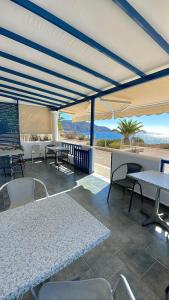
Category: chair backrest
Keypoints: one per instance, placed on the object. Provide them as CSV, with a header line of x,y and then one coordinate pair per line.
x,y
21,190
48,150
85,289
133,168
122,289
5,162
37,148
123,170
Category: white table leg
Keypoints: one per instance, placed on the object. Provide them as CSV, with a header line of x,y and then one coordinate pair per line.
x,y
57,162
156,217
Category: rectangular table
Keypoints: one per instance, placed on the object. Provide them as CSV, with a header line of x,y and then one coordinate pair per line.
x,y
161,182
41,238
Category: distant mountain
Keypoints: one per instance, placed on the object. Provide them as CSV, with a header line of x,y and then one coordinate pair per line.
x,y
82,127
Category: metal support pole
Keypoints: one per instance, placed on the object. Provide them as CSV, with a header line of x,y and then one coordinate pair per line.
x,y
92,122
92,136
18,116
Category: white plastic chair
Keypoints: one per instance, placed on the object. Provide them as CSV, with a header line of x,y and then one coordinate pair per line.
x,y
98,289
21,190
36,150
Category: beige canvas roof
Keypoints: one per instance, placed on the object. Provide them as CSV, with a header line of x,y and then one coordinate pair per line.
x,y
144,99
104,109
148,98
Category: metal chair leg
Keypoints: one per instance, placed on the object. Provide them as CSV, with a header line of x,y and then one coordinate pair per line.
x,y
34,294
141,193
132,192
12,173
131,197
20,297
22,170
167,293
109,192
4,172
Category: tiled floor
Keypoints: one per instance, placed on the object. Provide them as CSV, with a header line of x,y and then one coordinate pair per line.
x,y
142,254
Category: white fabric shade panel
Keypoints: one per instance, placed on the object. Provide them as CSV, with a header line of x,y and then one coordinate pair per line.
x,y
150,109
104,109
105,22
145,99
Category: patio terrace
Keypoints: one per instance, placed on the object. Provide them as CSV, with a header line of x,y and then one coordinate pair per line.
x,y
139,253
94,60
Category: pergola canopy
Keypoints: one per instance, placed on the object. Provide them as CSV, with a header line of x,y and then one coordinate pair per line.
x,y
60,53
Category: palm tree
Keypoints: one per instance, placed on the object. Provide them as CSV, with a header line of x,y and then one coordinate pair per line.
x,y
128,128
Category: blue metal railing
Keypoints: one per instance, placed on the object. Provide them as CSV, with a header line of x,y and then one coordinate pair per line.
x,y
82,157
163,162
82,160
71,147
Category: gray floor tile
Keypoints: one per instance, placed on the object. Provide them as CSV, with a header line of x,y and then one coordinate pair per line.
x,y
137,259
106,265
157,278
110,247
160,250
72,271
139,236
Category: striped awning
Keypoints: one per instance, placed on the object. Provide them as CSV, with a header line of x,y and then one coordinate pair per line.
x,y
59,53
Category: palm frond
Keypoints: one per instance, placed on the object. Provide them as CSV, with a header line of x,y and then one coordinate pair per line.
x,y
129,127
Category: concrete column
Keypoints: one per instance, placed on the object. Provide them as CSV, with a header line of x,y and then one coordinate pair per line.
x,y
55,131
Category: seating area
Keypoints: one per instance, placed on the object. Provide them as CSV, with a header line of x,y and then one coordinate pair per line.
x,y
139,253
147,163
77,155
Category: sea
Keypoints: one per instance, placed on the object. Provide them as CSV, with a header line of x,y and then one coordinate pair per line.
x,y
148,137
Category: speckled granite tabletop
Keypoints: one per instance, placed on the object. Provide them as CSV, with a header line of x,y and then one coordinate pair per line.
x,y
41,238
10,152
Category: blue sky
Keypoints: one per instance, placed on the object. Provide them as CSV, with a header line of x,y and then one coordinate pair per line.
x,y
153,123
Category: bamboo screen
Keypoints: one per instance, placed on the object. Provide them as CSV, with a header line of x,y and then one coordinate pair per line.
x,y
34,119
